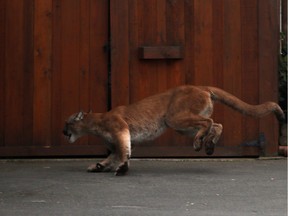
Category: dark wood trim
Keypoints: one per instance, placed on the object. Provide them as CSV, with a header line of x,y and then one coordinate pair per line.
x,y
138,152
188,151
53,151
268,21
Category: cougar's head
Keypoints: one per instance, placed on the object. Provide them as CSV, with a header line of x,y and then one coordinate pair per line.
x,y
74,127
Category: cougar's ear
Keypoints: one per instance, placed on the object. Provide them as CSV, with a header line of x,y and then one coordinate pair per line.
x,y
79,116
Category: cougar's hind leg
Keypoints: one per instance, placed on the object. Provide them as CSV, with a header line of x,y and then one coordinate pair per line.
x,y
191,124
212,138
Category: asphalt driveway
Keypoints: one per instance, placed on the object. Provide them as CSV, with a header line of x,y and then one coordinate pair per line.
x,y
152,187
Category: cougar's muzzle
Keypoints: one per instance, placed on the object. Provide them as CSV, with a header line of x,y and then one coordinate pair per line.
x,y
66,133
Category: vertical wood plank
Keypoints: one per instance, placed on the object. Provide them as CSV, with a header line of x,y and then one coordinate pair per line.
x,y
175,20
163,26
146,78
162,21
2,68
42,72
175,74
70,60
218,41
135,38
99,33
249,62
217,57
28,73
98,61
84,51
119,52
14,73
70,56
232,69
66,83
175,36
203,42
18,73
268,20
56,80
189,42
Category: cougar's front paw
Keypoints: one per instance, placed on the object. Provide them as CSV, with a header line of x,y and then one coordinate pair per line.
x,y
122,169
96,168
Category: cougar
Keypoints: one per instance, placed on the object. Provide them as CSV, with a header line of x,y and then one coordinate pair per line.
x,y
186,109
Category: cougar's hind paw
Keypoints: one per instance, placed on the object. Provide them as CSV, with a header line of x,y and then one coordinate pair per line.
x,y
209,148
122,169
96,168
197,145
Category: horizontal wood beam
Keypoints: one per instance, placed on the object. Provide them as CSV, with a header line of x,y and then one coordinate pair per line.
x,y
139,151
161,52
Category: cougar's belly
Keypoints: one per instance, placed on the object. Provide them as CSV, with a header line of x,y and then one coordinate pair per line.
x,y
147,132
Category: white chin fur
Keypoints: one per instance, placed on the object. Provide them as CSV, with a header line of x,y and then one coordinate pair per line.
x,y
72,139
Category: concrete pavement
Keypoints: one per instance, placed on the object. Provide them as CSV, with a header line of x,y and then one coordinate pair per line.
x,y
152,187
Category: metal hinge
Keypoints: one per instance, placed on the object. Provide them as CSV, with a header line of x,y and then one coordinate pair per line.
x,y
260,142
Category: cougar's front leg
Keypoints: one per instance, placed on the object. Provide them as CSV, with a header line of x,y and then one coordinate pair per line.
x,y
123,152
106,164
103,166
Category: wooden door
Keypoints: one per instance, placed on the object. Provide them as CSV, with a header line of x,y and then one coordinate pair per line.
x,y
160,44
53,64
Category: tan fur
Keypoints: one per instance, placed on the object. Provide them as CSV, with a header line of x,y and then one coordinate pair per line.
x,y
186,109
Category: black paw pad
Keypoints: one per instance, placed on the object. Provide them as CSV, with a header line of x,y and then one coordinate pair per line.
x,y
122,169
209,148
96,168
99,166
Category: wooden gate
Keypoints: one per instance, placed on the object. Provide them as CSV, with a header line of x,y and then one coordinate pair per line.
x,y
55,57
52,65
232,44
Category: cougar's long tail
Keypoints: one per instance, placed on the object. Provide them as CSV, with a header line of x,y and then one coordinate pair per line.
x,y
247,109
